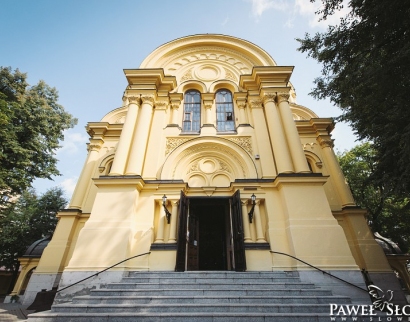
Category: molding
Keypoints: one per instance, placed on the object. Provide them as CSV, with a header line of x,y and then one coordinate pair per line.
x,y
163,246
257,246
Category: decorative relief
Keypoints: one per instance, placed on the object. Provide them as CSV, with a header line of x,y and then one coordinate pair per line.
x,y
224,166
187,75
297,117
230,75
173,143
193,167
175,105
239,62
120,118
311,145
243,142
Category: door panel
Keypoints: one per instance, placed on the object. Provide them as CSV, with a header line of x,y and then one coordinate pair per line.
x,y
182,232
237,233
193,240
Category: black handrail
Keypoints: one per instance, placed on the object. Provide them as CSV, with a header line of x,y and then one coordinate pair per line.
x,y
96,274
340,279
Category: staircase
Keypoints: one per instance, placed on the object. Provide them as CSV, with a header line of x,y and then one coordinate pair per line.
x,y
199,296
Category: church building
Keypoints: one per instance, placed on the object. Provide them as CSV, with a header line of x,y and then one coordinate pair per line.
x,y
210,165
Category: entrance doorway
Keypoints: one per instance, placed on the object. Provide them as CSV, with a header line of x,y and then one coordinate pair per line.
x,y
210,234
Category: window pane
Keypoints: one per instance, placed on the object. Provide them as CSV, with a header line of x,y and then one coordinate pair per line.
x,y
224,111
192,111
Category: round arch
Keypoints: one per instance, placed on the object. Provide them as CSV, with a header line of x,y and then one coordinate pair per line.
x,y
208,161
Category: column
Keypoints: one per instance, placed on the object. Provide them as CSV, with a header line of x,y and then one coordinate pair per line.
x,y
277,135
174,112
208,113
246,231
263,141
161,223
121,154
139,143
242,112
173,227
335,171
292,135
260,238
86,174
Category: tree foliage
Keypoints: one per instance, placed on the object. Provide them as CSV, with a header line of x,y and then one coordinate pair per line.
x,y
387,211
366,72
28,219
31,127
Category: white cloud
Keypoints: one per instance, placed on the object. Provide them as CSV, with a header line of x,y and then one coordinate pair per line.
x,y
260,6
69,185
225,21
300,8
73,142
307,9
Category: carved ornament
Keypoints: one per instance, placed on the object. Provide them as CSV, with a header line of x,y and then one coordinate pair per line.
x,y
282,97
243,142
326,143
148,99
269,97
187,75
134,100
256,103
173,143
161,105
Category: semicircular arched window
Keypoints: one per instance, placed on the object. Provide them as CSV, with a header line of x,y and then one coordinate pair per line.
x,y
192,111
225,120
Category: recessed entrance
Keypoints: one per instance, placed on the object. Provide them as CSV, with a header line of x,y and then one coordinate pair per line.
x,y
210,234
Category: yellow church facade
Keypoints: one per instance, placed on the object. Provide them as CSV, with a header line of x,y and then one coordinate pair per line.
x,y
210,164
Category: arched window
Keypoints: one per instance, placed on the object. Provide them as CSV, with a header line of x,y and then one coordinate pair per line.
x,y
224,111
192,111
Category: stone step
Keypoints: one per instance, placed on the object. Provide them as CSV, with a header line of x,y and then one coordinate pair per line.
x,y
204,286
208,280
181,317
211,292
192,308
214,274
209,299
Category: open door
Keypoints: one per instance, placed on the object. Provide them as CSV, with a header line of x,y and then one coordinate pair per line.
x,y
182,233
239,260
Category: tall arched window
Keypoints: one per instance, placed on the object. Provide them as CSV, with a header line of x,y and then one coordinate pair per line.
x,y
224,111
192,111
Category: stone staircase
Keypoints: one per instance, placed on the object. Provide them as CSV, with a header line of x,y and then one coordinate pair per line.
x,y
199,297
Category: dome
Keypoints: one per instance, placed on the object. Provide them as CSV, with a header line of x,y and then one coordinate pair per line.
x,y
389,247
36,249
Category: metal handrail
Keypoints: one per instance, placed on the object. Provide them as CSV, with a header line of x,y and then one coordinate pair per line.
x,y
317,268
106,269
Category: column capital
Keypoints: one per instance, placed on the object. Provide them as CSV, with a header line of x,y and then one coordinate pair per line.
x,y
282,97
161,105
269,97
94,145
255,103
208,105
325,142
244,202
133,99
148,99
241,104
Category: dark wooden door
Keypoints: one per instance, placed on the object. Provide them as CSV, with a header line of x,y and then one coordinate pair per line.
x,y
239,260
193,240
182,232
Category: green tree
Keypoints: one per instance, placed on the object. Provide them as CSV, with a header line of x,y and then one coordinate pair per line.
x,y
366,72
31,127
387,211
28,219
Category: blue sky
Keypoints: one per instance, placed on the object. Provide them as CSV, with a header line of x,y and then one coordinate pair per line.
x,y
82,46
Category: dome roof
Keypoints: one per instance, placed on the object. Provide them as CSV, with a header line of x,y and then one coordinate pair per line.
x,y
36,249
389,247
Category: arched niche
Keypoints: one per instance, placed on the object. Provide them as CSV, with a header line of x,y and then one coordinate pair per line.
x,y
116,116
222,84
314,162
208,161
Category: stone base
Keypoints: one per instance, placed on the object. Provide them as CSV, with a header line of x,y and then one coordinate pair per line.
x,y
84,287
339,287
37,283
